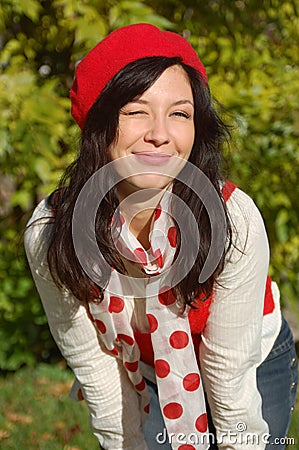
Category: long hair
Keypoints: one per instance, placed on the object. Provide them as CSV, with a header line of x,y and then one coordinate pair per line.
x,y
99,132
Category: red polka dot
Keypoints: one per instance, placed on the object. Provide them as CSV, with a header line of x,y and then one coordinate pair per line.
x,y
166,296
201,423
179,339
116,304
172,237
173,410
147,408
131,366
158,211
140,255
126,338
186,447
140,386
162,368
101,326
159,258
191,382
114,351
153,323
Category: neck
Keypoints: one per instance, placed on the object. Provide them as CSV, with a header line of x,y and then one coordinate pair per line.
x,y
138,210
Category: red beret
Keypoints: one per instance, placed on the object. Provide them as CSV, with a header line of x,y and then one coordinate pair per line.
x,y
121,47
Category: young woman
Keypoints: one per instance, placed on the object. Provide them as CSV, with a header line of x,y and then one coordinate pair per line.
x,y
153,270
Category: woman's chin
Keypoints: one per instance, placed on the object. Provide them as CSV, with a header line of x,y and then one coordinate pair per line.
x,y
149,181
145,181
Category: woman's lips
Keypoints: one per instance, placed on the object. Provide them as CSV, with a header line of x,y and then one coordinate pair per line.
x,y
152,158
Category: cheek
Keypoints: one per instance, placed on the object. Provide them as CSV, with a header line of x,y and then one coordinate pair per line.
x,y
128,130
187,139
126,136
113,151
118,148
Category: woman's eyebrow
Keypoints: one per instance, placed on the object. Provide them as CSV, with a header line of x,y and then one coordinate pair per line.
x,y
183,102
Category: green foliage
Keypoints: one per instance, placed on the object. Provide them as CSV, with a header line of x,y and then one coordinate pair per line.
x,y
250,50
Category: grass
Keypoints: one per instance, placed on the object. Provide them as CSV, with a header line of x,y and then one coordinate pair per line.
x,y
37,414
294,429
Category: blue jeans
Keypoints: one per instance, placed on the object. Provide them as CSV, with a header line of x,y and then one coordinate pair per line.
x,y
277,379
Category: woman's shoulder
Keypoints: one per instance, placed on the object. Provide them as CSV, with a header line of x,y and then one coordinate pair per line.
x,y
38,231
42,211
235,196
242,208
247,224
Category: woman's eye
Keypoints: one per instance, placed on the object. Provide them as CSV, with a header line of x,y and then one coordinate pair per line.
x,y
181,114
133,112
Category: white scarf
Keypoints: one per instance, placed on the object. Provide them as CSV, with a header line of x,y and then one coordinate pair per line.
x,y
179,383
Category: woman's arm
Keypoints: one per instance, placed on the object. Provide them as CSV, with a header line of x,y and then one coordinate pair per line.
x,y
230,350
113,403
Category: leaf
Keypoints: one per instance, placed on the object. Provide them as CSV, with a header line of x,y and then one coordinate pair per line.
x,y
43,169
22,199
30,8
4,434
281,225
126,12
17,417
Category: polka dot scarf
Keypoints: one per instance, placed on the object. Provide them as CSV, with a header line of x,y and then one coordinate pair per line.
x,y
179,383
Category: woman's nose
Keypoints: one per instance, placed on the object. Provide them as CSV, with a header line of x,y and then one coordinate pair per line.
x,y
157,132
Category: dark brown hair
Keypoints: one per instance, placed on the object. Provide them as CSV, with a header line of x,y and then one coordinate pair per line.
x,y
99,132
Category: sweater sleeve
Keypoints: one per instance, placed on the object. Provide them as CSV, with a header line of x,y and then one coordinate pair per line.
x,y
112,401
230,350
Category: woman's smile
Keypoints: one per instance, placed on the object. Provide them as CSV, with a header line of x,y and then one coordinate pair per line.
x,y
152,158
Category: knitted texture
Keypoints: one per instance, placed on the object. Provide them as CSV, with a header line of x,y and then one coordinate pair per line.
x,y
118,49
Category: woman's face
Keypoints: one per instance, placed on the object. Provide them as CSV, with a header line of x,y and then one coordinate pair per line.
x,y
154,128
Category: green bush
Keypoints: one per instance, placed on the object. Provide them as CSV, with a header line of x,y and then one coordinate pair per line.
x,y
253,70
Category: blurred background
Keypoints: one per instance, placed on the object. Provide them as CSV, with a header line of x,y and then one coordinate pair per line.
x,y
251,51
